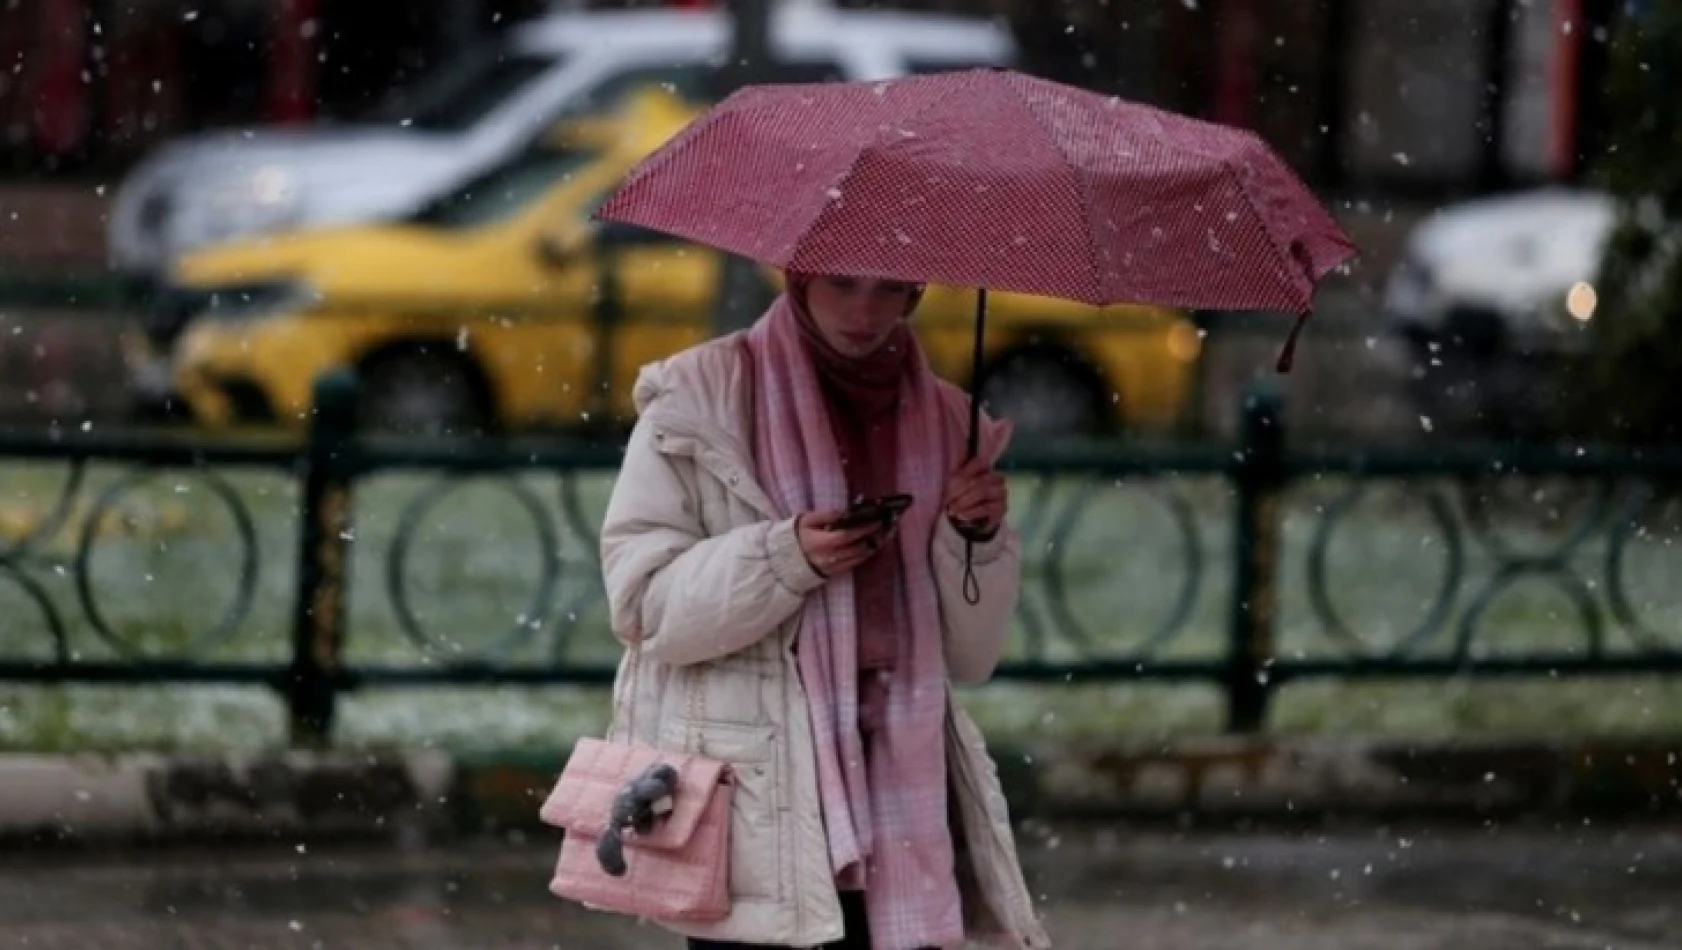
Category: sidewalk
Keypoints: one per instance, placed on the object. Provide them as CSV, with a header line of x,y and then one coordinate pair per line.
x,y
1100,889
56,799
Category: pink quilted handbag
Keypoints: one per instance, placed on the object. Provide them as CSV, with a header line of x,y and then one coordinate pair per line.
x,y
680,869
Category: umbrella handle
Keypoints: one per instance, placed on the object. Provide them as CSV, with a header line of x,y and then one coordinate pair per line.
x,y
972,586
978,358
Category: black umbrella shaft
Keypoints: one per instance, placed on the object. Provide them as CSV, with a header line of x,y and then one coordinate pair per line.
x,y
975,372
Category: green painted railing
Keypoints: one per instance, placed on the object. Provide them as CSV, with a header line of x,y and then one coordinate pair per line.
x,y
1249,565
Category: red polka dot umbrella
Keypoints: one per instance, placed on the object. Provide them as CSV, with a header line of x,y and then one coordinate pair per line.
x,y
992,179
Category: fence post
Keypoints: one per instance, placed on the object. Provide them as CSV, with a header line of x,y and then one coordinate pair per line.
x,y
318,622
607,310
1261,482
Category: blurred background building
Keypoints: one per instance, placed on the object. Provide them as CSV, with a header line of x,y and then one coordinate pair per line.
x,y
1403,97
1392,109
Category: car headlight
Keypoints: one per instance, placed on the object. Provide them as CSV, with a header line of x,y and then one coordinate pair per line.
x,y
254,300
1581,301
174,307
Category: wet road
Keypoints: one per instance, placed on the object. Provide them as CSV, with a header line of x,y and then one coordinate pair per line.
x,y
1384,890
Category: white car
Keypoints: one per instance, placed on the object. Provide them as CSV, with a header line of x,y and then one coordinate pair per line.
x,y
1526,262
1493,299
486,106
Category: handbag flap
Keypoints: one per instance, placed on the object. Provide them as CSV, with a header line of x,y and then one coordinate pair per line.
x,y
582,799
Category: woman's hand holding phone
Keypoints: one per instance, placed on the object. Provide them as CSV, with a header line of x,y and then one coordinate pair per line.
x,y
836,542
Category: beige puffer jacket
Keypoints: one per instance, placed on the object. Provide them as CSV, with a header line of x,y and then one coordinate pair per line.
x,y
704,574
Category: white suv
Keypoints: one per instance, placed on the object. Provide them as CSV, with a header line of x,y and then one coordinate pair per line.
x,y
1491,296
487,105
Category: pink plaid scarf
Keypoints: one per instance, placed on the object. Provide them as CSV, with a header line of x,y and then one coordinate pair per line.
x,y
886,819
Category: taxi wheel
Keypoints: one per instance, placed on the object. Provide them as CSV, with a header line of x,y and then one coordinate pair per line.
x,y
1049,392
420,390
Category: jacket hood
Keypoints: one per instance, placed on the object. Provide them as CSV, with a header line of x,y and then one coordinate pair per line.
x,y
703,379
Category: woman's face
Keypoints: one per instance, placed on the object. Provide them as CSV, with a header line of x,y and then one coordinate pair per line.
x,y
857,314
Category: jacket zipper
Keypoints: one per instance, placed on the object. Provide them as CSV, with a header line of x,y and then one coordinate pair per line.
x,y
790,680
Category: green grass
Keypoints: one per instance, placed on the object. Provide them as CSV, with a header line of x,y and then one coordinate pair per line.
x,y
165,565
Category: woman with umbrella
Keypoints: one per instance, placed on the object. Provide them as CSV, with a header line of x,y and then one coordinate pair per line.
x,y
812,652
822,650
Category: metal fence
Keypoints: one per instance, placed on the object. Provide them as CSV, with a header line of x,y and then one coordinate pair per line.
x,y
1248,565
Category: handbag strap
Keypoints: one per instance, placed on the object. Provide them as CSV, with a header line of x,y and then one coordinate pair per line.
x,y
695,700
695,709
633,664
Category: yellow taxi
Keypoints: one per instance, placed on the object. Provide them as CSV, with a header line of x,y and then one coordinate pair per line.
x,y
502,307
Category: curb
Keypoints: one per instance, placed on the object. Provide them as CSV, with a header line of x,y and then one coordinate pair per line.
x,y
55,800
66,799
1267,777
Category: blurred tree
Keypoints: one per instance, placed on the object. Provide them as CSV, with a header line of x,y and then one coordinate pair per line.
x,y
374,50
1636,373
224,55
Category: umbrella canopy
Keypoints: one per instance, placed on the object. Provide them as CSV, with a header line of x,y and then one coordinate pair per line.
x,y
990,178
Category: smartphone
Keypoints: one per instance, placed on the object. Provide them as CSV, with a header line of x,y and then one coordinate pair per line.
x,y
884,510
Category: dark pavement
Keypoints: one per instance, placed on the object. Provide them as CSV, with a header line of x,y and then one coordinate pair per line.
x,y
1103,888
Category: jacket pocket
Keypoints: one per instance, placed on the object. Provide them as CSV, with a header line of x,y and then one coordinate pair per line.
x,y
755,831
733,690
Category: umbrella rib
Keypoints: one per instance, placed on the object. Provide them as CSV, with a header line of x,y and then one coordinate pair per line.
x,y
1082,182
1305,296
1236,170
853,166
812,222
